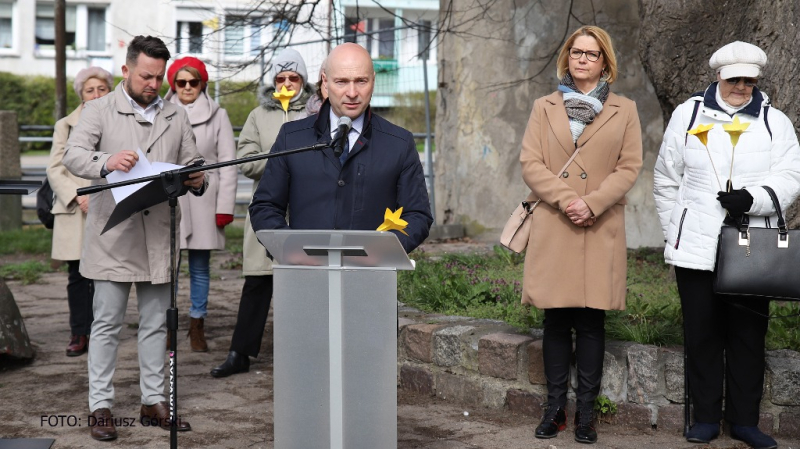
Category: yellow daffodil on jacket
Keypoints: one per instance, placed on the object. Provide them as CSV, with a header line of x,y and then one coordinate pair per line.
x,y
284,96
393,222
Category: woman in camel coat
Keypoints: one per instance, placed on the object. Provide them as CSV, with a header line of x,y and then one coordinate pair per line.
x,y
70,210
576,259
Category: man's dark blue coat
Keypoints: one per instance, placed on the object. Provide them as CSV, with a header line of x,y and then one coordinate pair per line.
x,y
382,171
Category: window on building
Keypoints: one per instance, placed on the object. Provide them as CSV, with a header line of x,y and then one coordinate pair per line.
x,y
234,35
96,33
6,22
45,27
356,30
243,35
424,39
86,29
376,35
189,37
386,39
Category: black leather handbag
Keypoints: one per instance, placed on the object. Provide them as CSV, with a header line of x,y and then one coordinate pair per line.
x,y
759,261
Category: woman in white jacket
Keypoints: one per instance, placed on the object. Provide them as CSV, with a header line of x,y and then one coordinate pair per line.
x,y
724,336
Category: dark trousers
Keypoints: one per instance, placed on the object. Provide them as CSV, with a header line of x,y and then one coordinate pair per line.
x,y
80,292
589,325
725,342
252,318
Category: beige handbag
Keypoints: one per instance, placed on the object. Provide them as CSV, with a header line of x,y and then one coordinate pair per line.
x,y
518,227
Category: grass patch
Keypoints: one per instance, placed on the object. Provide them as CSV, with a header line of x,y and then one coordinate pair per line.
x,y
489,286
469,285
28,272
29,240
234,238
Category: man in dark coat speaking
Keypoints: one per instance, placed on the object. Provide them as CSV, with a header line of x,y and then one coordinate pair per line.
x,y
379,167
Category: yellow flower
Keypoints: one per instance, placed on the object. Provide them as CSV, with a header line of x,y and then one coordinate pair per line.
x,y
701,132
393,222
735,130
284,96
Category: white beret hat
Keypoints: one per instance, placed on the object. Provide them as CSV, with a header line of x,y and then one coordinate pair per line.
x,y
738,59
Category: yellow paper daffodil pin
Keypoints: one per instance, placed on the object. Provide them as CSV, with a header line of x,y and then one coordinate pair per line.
x,y
701,132
284,96
393,222
735,130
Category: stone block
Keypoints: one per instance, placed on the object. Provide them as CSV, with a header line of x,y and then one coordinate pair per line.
x,y
525,403
416,379
493,393
460,389
418,340
403,322
636,416
670,419
498,354
766,422
536,363
673,374
449,344
614,377
615,371
783,372
643,371
789,425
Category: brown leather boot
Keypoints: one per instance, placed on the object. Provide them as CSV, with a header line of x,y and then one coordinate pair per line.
x,y
197,336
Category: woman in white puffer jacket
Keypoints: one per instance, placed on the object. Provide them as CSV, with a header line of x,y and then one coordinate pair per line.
x,y
692,199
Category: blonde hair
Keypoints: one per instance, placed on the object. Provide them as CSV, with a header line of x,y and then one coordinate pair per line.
x,y
606,48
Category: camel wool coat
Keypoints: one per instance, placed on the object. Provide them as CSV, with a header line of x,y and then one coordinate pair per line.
x,y
568,265
69,219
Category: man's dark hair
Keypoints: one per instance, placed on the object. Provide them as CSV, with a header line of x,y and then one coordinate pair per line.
x,y
150,46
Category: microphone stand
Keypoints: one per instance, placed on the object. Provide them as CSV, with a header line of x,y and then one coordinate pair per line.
x,y
172,183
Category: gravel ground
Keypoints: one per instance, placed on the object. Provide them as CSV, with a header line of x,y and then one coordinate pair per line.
x,y
235,412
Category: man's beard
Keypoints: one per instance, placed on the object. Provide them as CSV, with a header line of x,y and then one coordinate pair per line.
x,y
139,96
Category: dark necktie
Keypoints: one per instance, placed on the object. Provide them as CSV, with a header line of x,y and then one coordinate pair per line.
x,y
345,150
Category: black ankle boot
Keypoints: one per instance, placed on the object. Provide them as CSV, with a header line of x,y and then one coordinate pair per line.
x,y
235,363
584,427
553,421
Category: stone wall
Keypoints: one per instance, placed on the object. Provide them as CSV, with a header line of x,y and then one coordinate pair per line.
x,y
492,67
486,363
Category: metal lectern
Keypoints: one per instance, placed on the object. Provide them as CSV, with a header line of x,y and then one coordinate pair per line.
x,y
335,337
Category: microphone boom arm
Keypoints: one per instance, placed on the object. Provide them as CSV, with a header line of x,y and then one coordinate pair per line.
x,y
193,169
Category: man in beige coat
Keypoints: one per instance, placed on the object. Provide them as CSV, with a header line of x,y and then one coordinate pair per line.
x,y
137,250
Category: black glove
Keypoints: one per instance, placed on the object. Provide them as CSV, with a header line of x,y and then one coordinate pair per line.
x,y
737,202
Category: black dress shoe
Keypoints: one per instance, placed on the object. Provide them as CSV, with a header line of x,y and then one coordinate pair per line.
x,y
553,421
584,428
235,363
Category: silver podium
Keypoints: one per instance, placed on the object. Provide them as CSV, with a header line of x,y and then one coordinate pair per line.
x,y
335,337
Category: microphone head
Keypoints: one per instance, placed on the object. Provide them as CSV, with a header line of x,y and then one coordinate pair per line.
x,y
344,121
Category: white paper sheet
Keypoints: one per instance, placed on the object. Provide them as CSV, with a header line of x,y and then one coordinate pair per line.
x,y
142,169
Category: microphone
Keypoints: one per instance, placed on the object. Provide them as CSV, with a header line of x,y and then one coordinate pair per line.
x,y
340,137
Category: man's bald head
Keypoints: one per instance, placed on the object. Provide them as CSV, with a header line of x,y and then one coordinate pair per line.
x,y
350,79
